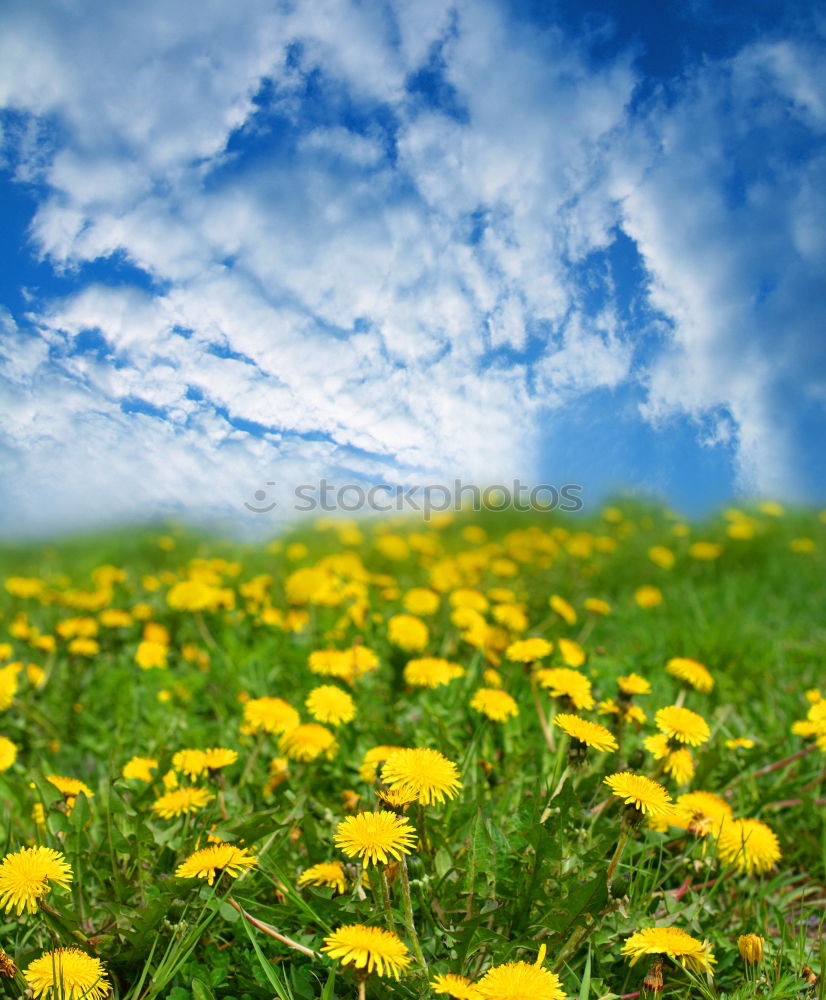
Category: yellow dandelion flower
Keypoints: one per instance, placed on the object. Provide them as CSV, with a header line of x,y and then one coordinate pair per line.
x,y
492,678
662,556
592,734
496,704
408,633
750,947
431,672
396,798
326,873
307,742
216,859
139,768
645,795
572,653
633,684
84,647
25,876
671,941
24,586
360,660
657,746
742,530
700,812
458,987
375,836
368,948
705,551
679,765
562,682
683,725
749,844
329,703
520,981
691,672
597,606
269,715
563,609
468,598
740,743
182,801
151,655
648,596
67,973
329,663
8,684
426,772
771,508
192,763
375,756
216,758
69,788
528,650
8,753
511,616
113,618
69,628
421,601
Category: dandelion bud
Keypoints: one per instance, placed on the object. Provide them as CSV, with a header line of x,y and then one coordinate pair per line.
x,y
7,967
750,947
653,981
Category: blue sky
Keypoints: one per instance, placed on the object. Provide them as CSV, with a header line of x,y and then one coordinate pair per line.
x,y
407,242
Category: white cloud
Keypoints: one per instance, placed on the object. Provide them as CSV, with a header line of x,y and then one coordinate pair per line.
x,y
372,288
723,217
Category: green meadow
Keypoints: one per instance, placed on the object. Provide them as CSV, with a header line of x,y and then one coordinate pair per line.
x,y
300,675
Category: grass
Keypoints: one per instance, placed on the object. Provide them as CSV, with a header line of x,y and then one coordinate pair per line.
x,y
518,859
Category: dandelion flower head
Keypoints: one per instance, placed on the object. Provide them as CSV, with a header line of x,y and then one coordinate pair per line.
x,y
67,973
217,858
671,941
691,672
496,704
592,734
326,873
25,877
636,790
330,704
426,772
375,836
307,742
368,948
682,725
528,650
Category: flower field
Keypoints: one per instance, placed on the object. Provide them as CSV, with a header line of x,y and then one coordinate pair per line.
x,y
490,757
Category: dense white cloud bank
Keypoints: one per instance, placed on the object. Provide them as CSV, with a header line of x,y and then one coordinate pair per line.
x,y
350,274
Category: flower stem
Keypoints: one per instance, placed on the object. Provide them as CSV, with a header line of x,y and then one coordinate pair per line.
x,y
270,930
547,731
408,914
385,896
615,860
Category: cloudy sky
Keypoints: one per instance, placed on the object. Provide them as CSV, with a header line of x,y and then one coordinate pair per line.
x,y
404,242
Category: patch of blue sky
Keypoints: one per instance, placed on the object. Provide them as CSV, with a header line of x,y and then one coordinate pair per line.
x,y
601,441
25,276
